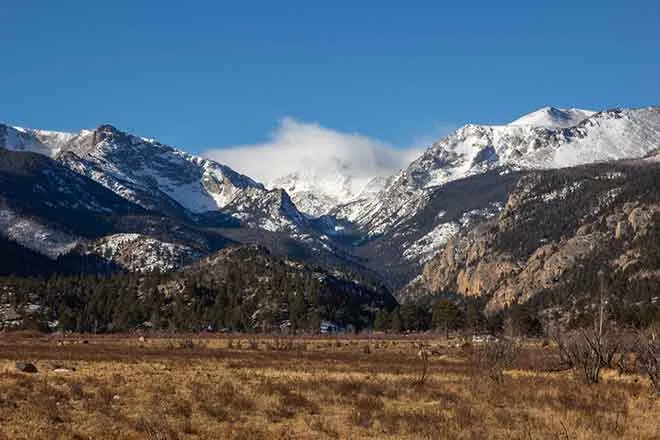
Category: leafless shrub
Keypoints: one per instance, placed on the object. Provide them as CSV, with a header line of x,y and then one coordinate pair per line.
x,y
491,359
579,352
647,351
588,351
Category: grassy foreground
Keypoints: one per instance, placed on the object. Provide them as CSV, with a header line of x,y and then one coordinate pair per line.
x,y
304,388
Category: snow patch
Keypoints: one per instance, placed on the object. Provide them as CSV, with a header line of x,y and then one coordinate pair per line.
x,y
427,246
36,236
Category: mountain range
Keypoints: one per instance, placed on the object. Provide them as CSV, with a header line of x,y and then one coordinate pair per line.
x,y
121,202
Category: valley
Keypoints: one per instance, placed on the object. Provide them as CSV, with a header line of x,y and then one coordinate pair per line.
x,y
255,387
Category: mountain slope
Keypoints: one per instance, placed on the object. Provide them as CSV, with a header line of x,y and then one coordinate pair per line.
x,y
182,188
479,150
475,149
559,228
400,252
50,209
17,260
391,227
150,174
141,253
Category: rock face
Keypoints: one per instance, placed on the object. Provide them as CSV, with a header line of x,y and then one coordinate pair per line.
x,y
557,230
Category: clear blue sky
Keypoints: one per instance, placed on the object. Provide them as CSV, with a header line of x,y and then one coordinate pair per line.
x,y
204,74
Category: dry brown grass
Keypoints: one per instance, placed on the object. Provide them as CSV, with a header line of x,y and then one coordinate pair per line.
x,y
320,388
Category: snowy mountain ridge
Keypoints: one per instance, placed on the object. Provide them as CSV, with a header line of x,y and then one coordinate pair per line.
x,y
476,149
144,171
387,225
401,217
316,193
553,117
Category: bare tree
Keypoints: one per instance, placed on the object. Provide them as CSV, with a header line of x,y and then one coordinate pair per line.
x,y
647,352
587,351
577,353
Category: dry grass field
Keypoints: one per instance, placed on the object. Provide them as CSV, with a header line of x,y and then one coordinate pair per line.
x,y
305,388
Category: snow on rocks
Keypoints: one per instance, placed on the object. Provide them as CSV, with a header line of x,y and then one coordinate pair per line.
x,y
425,248
35,235
140,253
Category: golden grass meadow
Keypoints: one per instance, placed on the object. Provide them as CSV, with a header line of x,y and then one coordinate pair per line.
x,y
345,387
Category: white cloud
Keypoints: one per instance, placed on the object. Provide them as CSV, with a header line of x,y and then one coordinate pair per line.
x,y
297,146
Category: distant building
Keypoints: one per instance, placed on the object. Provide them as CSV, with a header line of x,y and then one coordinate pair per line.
x,y
330,327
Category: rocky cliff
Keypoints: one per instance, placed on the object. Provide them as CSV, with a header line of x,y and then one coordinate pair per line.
x,y
557,231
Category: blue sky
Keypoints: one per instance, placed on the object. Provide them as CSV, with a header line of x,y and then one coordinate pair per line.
x,y
204,74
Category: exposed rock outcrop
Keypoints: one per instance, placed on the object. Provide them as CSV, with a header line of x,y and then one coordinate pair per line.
x,y
558,229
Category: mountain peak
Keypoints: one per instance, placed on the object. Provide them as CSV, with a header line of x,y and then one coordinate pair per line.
x,y
553,117
107,127
105,131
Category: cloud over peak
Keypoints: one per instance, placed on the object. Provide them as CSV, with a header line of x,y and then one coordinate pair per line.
x,y
311,149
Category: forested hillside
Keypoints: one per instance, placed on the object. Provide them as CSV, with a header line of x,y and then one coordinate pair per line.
x,y
242,288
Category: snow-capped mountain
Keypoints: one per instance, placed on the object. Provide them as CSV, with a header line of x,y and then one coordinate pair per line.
x,y
476,149
65,194
148,173
315,192
552,117
130,165
48,208
438,194
557,229
91,192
